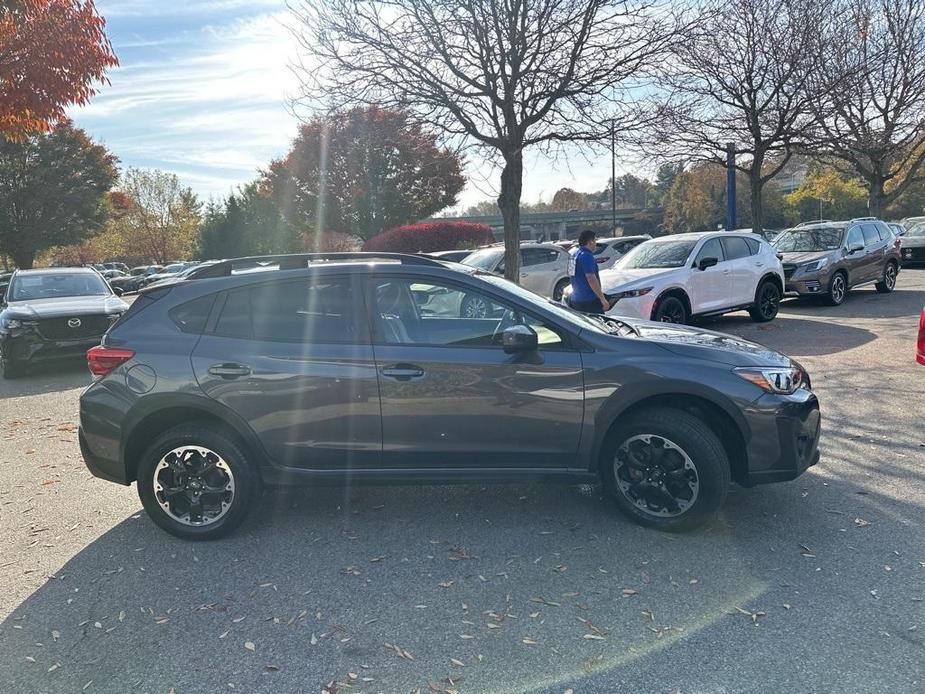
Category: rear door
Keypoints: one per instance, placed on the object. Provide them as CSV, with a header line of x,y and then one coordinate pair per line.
x,y
874,252
294,360
451,396
540,267
710,289
746,270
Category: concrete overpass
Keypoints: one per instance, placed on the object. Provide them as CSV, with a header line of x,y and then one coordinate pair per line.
x,y
553,226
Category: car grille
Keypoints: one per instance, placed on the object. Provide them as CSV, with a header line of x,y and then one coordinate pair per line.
x,y
917,253
789,269
58,328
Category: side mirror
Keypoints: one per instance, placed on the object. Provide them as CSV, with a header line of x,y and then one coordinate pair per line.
x,y
707,262
519,339
118,291
855,248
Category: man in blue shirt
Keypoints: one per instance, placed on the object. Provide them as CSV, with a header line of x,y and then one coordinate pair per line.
x,y
587,295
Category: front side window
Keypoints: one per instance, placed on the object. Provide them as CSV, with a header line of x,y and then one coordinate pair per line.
x,y
426,313
855,237
711,249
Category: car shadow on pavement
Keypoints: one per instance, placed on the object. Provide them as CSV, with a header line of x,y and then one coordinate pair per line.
x,y
538,587
47,378
794,336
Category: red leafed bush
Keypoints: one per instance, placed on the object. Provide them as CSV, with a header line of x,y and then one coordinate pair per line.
x,y
430,237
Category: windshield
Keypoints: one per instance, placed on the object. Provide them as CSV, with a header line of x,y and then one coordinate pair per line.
x,y
485,259
658,254
803,240
49,286
916,230
176,267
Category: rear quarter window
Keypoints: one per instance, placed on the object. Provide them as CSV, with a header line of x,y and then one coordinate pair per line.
x,y
191,316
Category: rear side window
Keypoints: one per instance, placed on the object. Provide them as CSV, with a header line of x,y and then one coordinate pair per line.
x,y
871,235
735,248
191,317
314,311
754,245
538,256
886,232
141,302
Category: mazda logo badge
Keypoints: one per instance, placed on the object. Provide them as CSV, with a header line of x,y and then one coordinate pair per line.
x,y
73,323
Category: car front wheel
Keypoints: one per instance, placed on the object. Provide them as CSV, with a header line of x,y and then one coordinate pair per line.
x,y
666,469
838,289
670,309
767,302
196,482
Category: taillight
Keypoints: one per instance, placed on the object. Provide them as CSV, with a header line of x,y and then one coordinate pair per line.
x,y
102,360
920,352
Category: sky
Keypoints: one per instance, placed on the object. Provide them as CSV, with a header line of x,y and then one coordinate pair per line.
x,y
203,90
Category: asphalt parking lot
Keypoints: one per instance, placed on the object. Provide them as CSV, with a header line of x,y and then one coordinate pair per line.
x,y
816,585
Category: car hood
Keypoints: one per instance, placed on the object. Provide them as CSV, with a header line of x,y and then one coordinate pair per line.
x,y
65,306
800,257
689,341
912,241
618,280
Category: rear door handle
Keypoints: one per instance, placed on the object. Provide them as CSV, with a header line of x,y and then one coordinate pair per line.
x,y
229,370
403,372
759,264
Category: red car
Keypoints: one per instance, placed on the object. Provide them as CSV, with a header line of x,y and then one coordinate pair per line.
x,y
920,352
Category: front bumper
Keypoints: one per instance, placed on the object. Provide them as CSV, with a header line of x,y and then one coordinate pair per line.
x,y
784,439
913,254
634,307
805,286
32,348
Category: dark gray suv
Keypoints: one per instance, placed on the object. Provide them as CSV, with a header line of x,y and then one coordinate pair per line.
x,y
318,369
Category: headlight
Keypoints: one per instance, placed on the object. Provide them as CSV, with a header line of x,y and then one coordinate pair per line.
x,y
631,293
784,381
815,265
11,323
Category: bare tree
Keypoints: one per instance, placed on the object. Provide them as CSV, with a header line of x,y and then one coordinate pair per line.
x,y
749,77
502,74
875,123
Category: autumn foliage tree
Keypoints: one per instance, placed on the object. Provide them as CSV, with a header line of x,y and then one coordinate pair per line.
x,y
52,191
362,171
51,54
164,217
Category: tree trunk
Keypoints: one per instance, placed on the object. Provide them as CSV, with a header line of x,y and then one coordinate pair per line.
x,y
23,260
509,202
757,188
875,197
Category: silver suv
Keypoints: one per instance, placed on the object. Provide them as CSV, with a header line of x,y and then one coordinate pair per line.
x,y
826,258
544,267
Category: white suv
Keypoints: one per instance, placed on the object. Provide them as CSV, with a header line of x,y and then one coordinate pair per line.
x,y
544,267
675,278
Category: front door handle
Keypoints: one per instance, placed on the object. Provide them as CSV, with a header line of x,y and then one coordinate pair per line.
x,y
229,370
759,264
726,272
403,372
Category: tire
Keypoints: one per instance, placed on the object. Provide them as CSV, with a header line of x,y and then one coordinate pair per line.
x,y
698,446
559,289
837,292
238,471
888,283
767,302
474,306
10,369
670,309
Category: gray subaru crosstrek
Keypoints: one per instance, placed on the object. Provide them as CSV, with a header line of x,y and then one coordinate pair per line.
x,y
319,369
827,259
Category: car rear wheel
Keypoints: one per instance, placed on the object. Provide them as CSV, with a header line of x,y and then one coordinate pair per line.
x,y
559,289
474,306
838,289
767,302
888,283
670,309
666,469
196,482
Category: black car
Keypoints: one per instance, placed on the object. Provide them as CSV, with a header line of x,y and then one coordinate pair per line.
x,y
360,368
53,314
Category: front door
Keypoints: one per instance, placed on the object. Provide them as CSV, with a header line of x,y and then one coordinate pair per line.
x,y
452,398
711,289
293,359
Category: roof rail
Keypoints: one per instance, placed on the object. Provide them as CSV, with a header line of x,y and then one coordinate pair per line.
x,y
813,221
865,219
294,261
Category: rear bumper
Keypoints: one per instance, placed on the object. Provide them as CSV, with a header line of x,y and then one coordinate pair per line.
x,y
785,437
109,470
100,433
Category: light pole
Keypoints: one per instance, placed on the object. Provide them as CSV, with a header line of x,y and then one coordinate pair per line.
x,y
613,177
730,186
